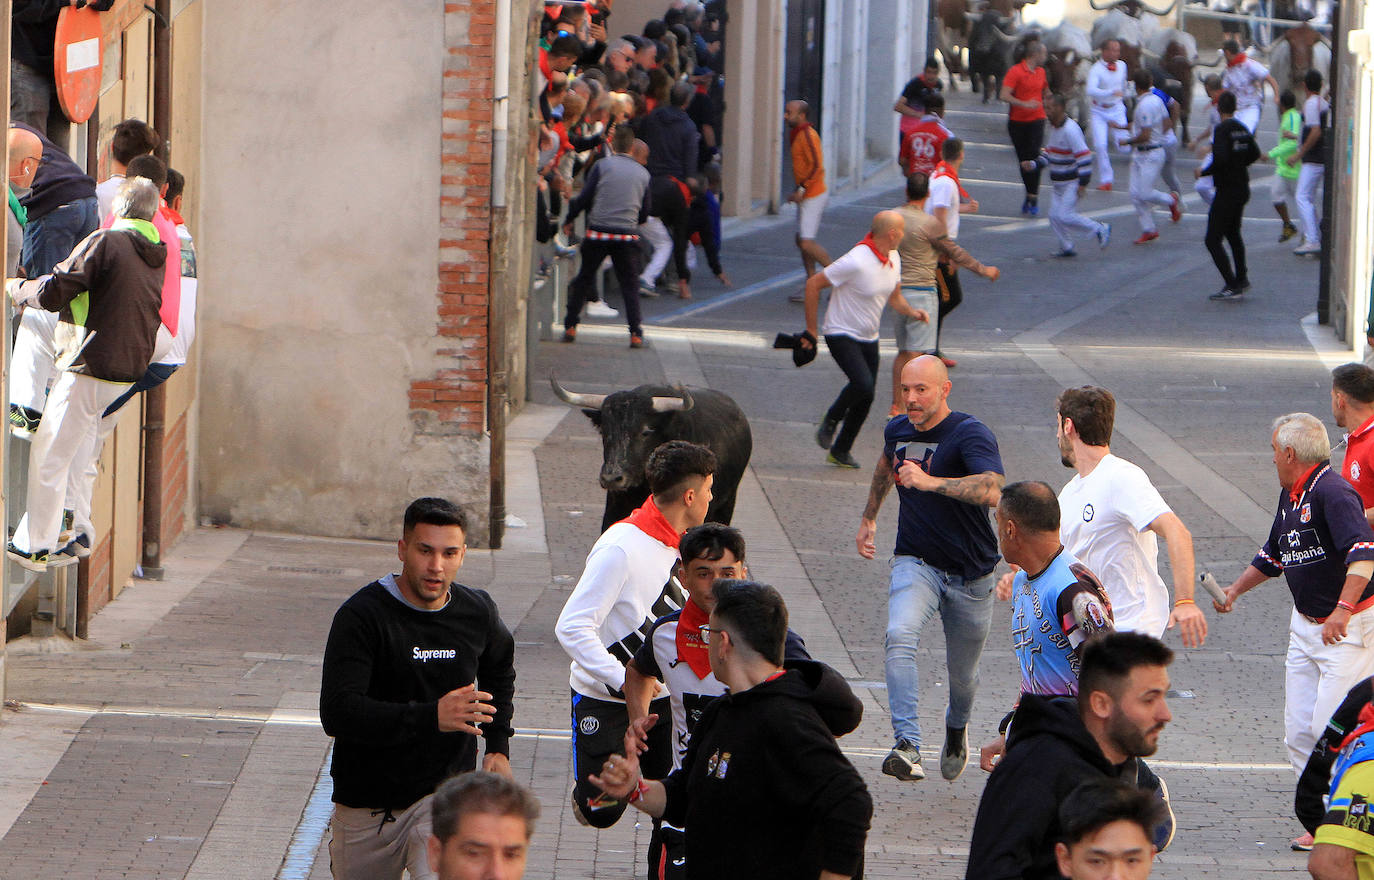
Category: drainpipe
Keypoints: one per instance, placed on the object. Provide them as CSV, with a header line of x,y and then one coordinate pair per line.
x,y
155,399
498,377
5,567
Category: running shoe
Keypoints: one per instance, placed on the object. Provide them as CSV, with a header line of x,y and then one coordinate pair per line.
x,y
598,309
1226,294
1175,209
1289,230
904,762
24,421
35,561
1307,248
1104,187
825,434
1064,253
1104,234
842,459
954,756
1146,237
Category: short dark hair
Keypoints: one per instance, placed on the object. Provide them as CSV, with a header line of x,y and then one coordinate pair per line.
x,y
1226,103
1287,100
755,614
682,94
1108,660
566,47
1032,505
1142,79
434,512
917,186
133,137
1099,802
1230,47
1211,81
655,28
672,464
1355,381
480,792
934,101
931,62
1313,80
951,149
176,184
622,139
150,167
710,541
617,80
1093,411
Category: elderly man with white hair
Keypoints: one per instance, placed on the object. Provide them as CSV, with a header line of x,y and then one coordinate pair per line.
x,y
107,295
1323,546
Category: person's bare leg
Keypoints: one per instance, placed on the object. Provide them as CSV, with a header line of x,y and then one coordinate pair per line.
x,y
813,254
808,263
903,358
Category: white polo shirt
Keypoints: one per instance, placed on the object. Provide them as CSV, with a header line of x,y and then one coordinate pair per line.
x,y
1103,519
1151,113
862,285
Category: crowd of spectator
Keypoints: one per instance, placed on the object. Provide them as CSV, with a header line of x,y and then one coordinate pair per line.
x,y
665,85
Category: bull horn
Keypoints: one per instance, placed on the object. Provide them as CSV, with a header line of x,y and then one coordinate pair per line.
x,y
682,403
1221,56
1153,11
586,401
1006,38
1112,5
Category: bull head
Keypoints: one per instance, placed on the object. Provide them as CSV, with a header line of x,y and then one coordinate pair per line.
x,y
681,403
1133,7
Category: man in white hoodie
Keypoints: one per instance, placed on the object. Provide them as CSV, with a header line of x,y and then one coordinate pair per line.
x,y
626,585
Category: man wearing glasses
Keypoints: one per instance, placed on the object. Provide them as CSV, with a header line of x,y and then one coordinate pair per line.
x,y
763,790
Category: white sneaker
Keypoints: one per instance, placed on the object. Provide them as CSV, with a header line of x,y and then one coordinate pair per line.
x,y
599,309
1307,247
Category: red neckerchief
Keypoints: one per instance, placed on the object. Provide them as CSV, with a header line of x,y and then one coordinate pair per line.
x,y
1240,58
1111,66
690,648
873,246
1296,492
1365,725
651,521
944,170
779,674
685,190
702,90
796,132
544,66
174,216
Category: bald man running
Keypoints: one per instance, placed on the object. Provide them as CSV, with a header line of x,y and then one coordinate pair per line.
x,y
948,471
865,279
808,170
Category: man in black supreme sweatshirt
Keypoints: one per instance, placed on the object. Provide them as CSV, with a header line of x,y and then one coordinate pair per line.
x,y
417,666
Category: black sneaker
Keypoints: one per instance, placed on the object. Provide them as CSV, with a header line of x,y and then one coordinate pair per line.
x,y
1226,294
79,547
825,434
1064,253
35,561
954,756
23,421
842,459
904,762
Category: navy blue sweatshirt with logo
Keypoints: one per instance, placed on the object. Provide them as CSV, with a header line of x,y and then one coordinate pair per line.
x,y
386,665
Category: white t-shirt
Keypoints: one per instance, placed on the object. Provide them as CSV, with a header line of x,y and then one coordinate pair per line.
x,y
1246,82
1150,113
862,286
944,193
1102,520
1312,110
104,194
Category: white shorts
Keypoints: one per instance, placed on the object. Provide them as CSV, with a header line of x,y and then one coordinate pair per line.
x,y
1283,189
919,336
809,213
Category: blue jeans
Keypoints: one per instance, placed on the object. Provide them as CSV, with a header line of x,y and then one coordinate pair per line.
x,y
51,238
916,593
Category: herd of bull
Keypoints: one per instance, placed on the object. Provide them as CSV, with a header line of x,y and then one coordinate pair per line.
x,y
992,34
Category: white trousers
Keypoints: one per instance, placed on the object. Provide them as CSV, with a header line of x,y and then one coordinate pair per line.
x,y
1317,677
1204,185
1145,168
71,421
1064,216
1106,138
1168,172
32,364
1249,117
1309,181
658,235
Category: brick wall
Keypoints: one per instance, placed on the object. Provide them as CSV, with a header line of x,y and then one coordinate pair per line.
x,y
453,400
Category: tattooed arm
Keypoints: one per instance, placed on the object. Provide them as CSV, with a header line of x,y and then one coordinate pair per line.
x,y
983,489
877,491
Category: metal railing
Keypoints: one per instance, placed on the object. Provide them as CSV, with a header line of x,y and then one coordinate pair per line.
x,y
1263,26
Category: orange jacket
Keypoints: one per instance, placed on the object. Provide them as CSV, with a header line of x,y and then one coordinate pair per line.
x,y
807,166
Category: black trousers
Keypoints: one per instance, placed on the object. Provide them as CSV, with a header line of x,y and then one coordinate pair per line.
x,y
1026,139
670,207
859,361
1223,221
947,282
625,259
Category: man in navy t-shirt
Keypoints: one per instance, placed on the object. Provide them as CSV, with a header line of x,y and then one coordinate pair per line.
x,y
949,473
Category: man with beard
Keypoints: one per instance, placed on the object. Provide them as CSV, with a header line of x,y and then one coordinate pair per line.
x,y
1055,744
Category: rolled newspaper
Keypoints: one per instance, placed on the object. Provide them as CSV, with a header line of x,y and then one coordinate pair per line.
x,y
1213,588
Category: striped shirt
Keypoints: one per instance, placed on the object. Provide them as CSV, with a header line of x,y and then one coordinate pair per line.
x,y
1066,153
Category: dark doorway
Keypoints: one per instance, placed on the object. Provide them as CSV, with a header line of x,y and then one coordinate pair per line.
x,y
805,54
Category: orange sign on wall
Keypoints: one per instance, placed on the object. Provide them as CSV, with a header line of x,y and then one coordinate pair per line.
x,y
76,61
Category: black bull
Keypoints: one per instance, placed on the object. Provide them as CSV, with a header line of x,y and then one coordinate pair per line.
x,y
634,423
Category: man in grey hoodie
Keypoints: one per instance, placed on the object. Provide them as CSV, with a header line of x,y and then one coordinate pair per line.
x,y
107,293
615,196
